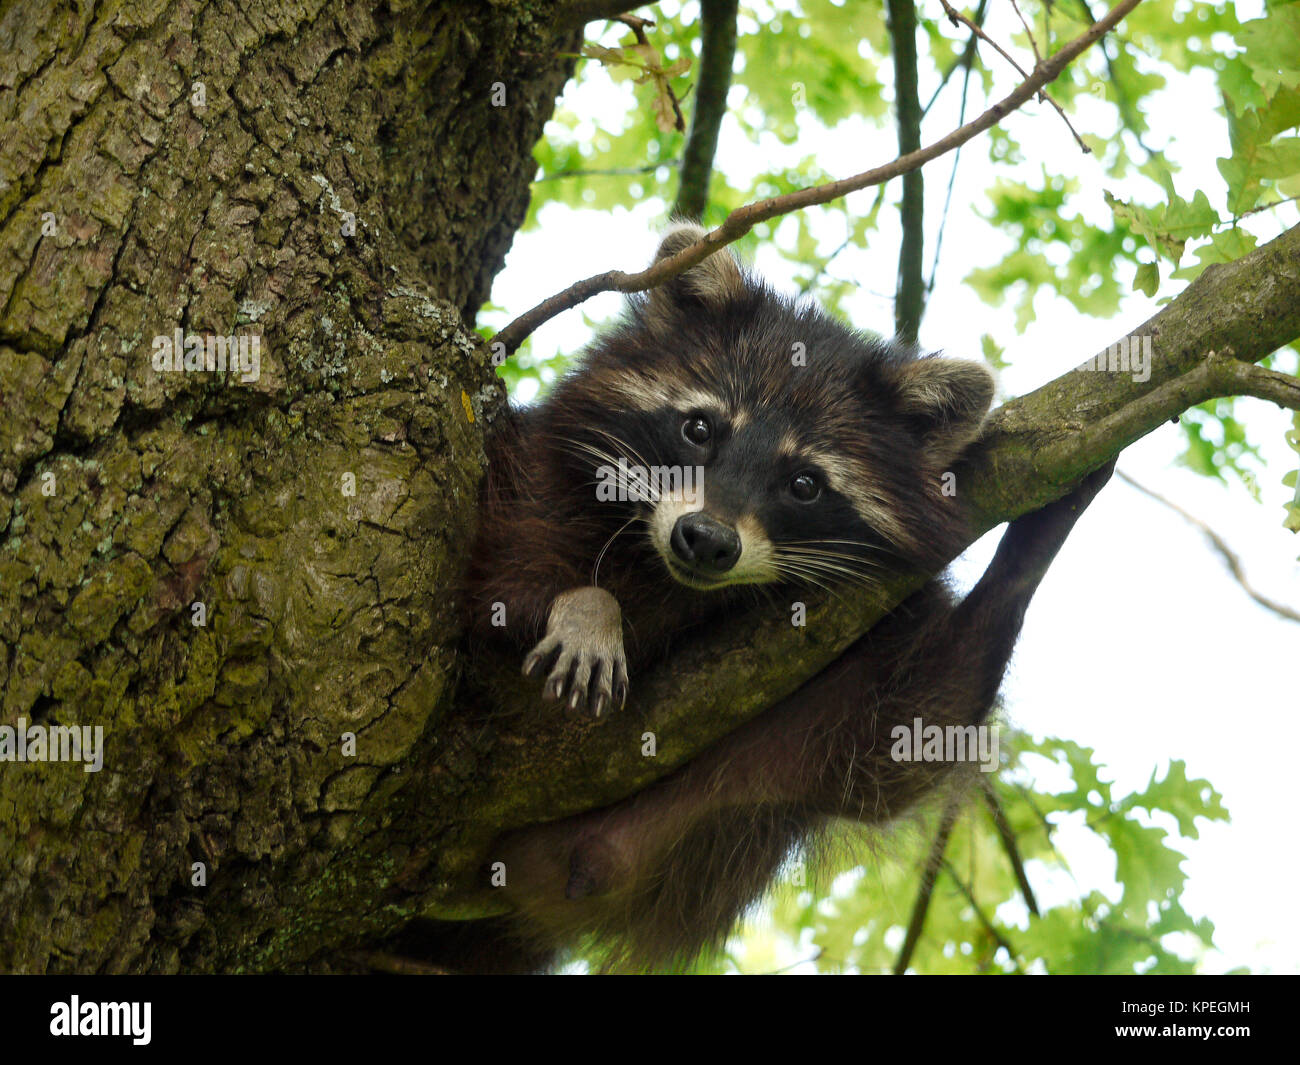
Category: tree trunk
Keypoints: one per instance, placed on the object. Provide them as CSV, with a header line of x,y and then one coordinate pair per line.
x,y
251,584
193,166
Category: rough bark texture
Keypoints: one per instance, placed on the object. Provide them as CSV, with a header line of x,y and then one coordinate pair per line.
x,y
327,612
127,495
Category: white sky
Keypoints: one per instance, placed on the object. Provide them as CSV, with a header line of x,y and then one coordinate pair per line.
x,y
1139,644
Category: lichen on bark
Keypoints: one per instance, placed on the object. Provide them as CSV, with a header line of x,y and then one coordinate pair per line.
x,y
335,178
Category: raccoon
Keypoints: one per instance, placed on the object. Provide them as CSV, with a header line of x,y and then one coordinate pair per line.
x,y
722,439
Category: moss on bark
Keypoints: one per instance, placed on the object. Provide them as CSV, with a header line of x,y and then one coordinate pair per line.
x,y
335,178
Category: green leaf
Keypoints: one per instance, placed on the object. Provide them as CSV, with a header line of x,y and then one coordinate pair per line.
x,y
1271,50
1147,278
1169,226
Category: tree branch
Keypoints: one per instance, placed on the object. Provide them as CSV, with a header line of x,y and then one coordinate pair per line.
x,y
982,917
743,219
612,171
1008,837
1128,114
577,13
717,52
968,66
955,17
929,875
1221,546
965,62
909,299
1033,449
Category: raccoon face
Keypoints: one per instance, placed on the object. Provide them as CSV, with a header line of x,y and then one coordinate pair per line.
x,y
748,466
728,495
756,508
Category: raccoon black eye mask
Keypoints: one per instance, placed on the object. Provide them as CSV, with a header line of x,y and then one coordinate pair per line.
x,y
685,459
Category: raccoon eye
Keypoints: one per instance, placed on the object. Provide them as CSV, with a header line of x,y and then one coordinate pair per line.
x,y
697,430
805,487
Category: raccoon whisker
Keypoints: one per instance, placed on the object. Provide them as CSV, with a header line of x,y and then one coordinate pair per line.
x,y
595,570
840,578
837,557
813,543
626,481
818,545
813,547
830,570
806,553
838,574
630,453
621,450
627,484
834,556
799,574
625,448
873,549
582,450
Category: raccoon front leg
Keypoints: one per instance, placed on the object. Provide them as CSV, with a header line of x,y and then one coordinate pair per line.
x,y
827,748
943,666
994,610
582,651
824,750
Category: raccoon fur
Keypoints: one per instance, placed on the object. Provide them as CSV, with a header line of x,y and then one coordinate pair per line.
x,y
821,454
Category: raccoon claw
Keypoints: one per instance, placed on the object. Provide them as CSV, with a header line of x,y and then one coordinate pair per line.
x,y
540,657
582,652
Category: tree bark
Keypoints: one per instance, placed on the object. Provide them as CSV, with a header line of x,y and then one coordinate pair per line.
x,y
128,495
197,163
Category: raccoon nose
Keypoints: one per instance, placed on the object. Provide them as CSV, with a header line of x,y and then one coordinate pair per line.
x,y
706,544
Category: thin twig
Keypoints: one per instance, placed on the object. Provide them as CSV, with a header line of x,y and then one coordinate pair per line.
x,y
1221,546
1008,838
966,61
743,219
956,156
1262,207
983,918
1038,56
933,863
637,25
613,171
1127,112
956,16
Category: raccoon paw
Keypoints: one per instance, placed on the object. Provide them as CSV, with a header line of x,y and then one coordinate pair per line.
x,y
582,652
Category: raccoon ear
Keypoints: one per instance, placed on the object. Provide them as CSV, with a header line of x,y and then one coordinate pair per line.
x,y
947,400
713,282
